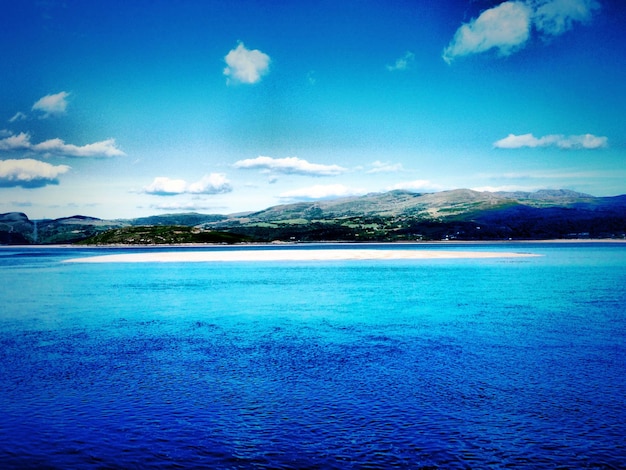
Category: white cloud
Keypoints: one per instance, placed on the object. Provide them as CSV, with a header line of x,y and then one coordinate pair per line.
x,y
164,186
554,17
15,142
215,183
105,148
52,105
507,27
385,167
415,185
29,173
19,116
322,192
245,65
402,63
290,165
584,141
210,184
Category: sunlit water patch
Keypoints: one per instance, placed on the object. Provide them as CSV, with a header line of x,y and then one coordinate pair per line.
x,y
516,363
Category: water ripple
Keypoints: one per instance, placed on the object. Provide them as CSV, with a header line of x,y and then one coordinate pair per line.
x,y
348,376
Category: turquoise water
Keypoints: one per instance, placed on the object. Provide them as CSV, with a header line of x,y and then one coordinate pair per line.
x,y
492,363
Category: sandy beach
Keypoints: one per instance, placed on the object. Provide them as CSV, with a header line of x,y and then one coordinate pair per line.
x,y
292,255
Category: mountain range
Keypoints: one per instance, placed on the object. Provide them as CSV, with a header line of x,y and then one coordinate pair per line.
x,y
460,214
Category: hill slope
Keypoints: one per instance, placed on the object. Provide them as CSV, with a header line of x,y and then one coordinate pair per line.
x,y
396,215
458,214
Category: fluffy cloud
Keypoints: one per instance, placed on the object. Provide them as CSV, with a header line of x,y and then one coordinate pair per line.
x,y
104,148
215,183
163,186
210,184
245,65
290,165
402,63
507,27
52,105
585,141
322,192
415,185
15,142
29,173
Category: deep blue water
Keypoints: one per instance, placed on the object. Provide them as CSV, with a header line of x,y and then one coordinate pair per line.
x,y
498,363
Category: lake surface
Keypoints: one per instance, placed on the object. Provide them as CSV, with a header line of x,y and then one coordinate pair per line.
x,y
467,363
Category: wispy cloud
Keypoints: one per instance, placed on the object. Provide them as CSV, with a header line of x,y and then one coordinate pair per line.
x,y
19,116
585,141
214,183
556,174
29,173
183,206
245,65
322,192
534,180
507,27
385,167
415,185
507,188
289,165
558,16
52,105
102,149
403,62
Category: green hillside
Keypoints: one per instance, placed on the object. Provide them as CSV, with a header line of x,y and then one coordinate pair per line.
x,y
460,214
161,235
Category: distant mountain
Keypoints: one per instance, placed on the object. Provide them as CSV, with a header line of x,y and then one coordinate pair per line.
x,y
431,206
461,214
458,214
65,230
14,229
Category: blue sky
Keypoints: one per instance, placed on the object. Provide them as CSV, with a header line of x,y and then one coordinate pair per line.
x,y
121,109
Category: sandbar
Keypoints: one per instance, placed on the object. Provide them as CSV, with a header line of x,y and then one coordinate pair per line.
x,y
292,255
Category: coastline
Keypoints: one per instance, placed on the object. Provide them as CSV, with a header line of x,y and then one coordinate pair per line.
x,y
556,241
293,255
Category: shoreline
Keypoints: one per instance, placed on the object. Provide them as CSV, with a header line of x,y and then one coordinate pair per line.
x,y
293,255
555,241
